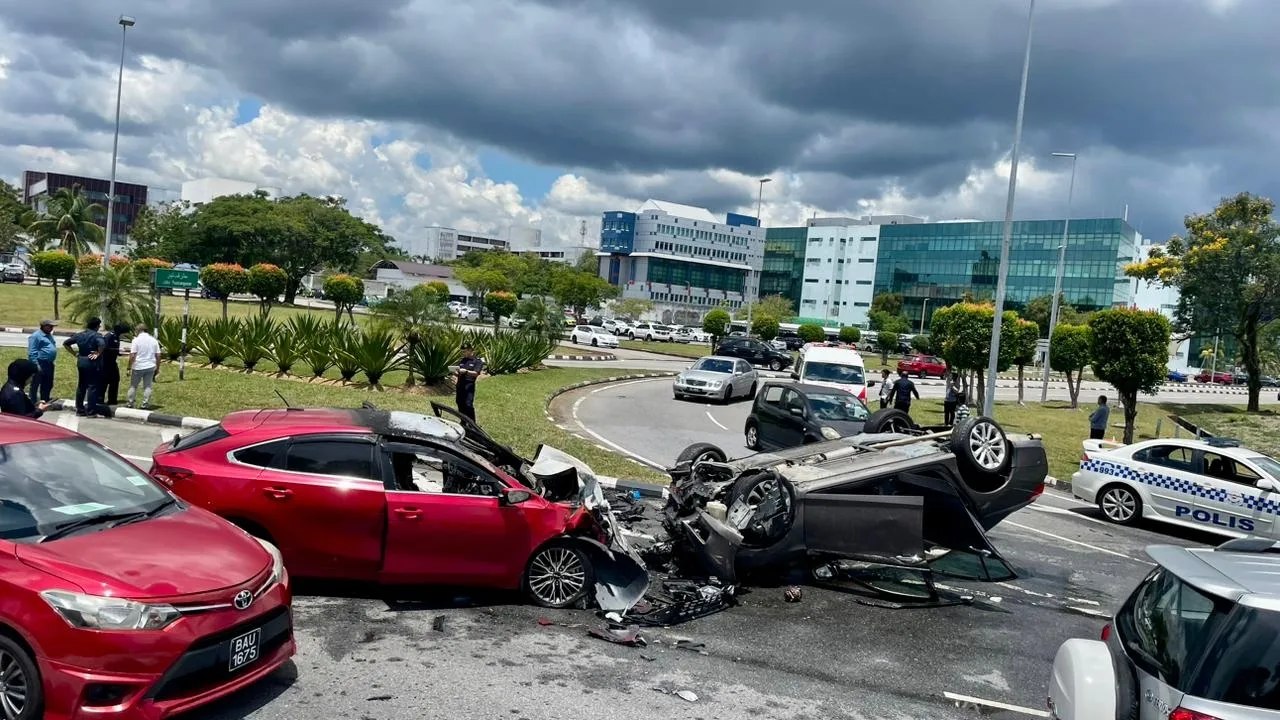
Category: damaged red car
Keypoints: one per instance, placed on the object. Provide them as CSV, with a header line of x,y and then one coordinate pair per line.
x,y
394,497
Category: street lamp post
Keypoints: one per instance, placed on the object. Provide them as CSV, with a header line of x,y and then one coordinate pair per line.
x,y
923,310
1056,301
993,363
748,295
126,22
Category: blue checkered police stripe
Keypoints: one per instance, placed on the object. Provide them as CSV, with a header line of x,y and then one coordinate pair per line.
x,y
1178,485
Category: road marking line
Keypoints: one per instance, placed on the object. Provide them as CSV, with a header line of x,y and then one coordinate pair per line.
x,y
1063,498
613,386
953,697
714,420
606,441
1074,542
1049,509
69,420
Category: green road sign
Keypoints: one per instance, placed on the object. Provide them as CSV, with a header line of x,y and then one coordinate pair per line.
x,y
177,279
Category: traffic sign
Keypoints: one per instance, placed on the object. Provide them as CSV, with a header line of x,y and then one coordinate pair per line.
x,y
177,279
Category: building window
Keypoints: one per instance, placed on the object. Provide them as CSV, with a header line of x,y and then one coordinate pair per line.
x,y
858,304
863,282
866,260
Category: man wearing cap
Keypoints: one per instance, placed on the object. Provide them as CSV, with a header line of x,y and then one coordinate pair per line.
x,y
468,370
42,350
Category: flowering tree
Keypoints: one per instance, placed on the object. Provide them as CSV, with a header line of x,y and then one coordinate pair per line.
x,y
223,279
267,282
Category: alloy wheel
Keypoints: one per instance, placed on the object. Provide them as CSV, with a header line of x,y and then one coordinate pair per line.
x,y
557,576
1119,504
987,446
13,687
753,437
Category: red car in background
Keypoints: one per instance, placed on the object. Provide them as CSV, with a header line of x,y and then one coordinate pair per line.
x,y
393,497
923,366
1218,378
116,599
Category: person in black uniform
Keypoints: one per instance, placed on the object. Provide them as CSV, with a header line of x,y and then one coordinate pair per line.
x,y
468,370
111,363
903,389
13,400
89,345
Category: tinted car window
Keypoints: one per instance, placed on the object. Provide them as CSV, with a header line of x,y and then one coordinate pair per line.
x,y
837,407
1243,666
343,458
1171,456
265,456
1166,625
714,365
200,437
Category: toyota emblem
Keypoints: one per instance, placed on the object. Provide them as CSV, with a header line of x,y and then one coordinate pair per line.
x,y
243,600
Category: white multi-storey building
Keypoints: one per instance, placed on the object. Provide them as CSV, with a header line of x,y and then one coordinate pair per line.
x,y
206,189
442,244
840,267
682,258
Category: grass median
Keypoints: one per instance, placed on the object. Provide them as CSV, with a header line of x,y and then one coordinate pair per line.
x,y
1259,431
510,407
689,350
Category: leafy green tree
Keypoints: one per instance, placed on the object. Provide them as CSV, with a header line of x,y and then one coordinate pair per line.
x,y
267,282
922,344
1130,350
480,281
55,265
116,287
1069,354
887,303
811,333
775,306
962,336
69,221
1039,310
166,231
501,304
12,211
716,324
344,291
850,334
1022,346
891,327
765,327
633,308
440,289
1227,272
540,317
588,263
224,280
89,263
143,267
580,291
413,314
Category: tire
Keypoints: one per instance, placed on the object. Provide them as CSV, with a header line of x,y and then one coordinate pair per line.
x,y
595,343
701,452
1120,504
775,365
21,691
753,488
559,575
728,395
753,437
678,396
888,420
980,445
752,392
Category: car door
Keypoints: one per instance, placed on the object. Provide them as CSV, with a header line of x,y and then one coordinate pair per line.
x,y
791,419
1233,501
451,525
1166,475
742,378
325,506
769,412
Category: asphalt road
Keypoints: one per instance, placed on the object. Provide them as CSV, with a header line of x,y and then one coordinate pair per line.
x,y
373,653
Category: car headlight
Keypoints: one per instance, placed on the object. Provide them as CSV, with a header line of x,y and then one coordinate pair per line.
x,y
277,561
108,613
830,433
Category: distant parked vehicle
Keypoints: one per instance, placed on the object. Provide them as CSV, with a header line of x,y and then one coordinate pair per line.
x,y
923,366
14,272
650,332
593,336
1176,376
1218,378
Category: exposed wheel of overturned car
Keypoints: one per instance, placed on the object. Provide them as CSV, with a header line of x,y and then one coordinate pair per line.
x,y
762,506
980,445
888,420
701,452
559,575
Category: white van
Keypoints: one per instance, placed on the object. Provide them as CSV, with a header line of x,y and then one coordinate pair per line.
x,y
833,367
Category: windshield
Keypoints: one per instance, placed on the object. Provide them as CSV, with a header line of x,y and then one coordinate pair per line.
x,y
837,408
1243,666
833,373
1268,465
599,331
715,366
46,484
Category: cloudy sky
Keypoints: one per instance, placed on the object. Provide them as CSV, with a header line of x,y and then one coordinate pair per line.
x,y
486,114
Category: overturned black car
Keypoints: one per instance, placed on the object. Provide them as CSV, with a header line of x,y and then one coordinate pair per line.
x,y
913,500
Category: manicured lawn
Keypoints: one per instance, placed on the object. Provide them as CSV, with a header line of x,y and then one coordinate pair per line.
x,y
1259,431
690,350
510,407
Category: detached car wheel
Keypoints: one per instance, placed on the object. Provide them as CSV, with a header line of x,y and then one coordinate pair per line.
x,y
981,445
888,420
701,452
1120,505
559,576
21,691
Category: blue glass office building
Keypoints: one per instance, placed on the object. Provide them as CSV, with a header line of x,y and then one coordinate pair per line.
x,y
946,262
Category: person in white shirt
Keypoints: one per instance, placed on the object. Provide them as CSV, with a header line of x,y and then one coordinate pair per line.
x,y
144,363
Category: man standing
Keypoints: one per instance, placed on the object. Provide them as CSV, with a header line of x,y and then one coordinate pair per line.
x,y
903,389
42,350
144,363
89,346
1098,420
886,389
468,370
111,363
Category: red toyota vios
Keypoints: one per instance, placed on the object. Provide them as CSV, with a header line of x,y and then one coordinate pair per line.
x,y
117,600
397,497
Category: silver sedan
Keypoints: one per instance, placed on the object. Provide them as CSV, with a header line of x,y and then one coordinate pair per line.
x,y
718,378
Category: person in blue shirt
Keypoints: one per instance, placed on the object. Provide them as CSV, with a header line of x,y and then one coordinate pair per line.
x,y
42,350
89,345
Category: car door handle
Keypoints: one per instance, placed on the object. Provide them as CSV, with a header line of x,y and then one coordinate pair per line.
x,y
277,493
409,513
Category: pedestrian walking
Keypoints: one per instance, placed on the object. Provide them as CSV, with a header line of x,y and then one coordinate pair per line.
x,y
1098,420
111,363
465,389
886,389
903,389
144,364
89,344
955,395
13,396
42,350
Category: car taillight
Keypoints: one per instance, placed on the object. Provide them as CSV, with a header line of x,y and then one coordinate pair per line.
x,y
1184,714
170,475
863,395
1106,632
1038,491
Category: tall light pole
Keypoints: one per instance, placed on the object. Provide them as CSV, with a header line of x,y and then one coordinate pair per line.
x,y
126,22
1057,283
748,295
923,310
993,364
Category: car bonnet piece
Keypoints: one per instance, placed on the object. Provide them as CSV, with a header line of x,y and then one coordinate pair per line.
x,y
621,577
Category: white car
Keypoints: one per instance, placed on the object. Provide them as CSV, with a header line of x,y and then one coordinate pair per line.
x,y
650,332
467,313
593,336
1213,485
692,335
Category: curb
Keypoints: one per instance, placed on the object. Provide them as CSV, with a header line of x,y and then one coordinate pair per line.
x,y
145,417
604,357
710,351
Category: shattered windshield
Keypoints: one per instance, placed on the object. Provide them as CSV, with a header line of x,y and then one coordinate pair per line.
x,y
838,408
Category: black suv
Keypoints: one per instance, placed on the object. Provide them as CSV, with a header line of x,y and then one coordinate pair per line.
x,y
754,352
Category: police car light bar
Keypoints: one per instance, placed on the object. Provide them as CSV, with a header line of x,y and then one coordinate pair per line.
x,y
1222,442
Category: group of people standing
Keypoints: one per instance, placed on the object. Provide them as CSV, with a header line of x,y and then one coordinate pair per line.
x,y
29,387
898,394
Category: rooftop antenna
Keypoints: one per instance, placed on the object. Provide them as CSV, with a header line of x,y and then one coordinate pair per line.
x,y
1126,212
284,400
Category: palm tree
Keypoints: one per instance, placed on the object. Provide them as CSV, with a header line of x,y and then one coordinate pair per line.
x,y
70,221
125,298
412,314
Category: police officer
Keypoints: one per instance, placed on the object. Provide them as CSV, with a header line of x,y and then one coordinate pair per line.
x,y
89,345
468,370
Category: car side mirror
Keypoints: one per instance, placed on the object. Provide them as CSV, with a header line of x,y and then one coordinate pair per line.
x,y
795,375
1267,485
871,383
515,496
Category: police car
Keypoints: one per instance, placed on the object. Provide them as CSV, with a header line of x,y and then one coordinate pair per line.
x,y
1212,485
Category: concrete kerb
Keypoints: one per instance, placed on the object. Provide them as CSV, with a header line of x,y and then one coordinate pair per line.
x,y
146,417
602,357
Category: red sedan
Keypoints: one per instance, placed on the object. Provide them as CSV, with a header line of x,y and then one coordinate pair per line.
x,y
1218,378
116,599
923,366
394,497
